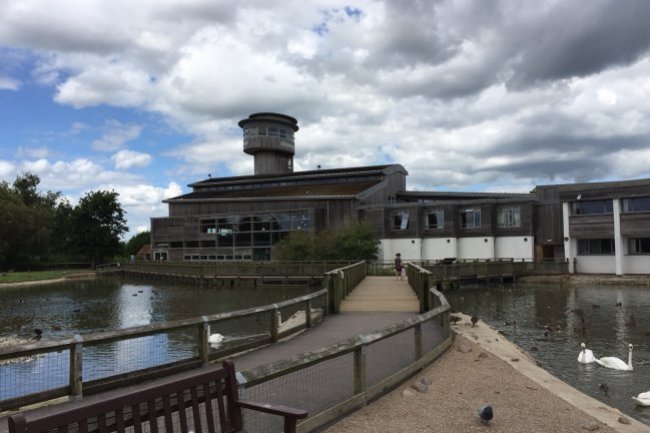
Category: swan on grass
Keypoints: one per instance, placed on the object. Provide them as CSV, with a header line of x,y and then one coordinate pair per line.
x,y
586,356
617,364
642,399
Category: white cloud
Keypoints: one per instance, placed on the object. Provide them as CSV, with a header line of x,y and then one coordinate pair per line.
x,y
8,83
116,135
7,170
32,152
125,159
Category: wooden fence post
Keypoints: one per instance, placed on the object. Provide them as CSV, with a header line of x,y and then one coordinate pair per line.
x,y
76,367
275,324
204,335
308,319
360,368
418,340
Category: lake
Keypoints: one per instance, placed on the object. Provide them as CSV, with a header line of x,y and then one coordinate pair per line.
x,y
614,316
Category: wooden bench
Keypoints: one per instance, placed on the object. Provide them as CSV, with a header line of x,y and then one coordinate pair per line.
x,y
201,402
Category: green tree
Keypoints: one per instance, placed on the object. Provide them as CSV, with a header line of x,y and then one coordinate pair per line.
x,y
97,223
355,242
25,223
136,242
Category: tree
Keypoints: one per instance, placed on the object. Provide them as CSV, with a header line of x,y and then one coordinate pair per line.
x,y
97,223
355,242
25,223
136,242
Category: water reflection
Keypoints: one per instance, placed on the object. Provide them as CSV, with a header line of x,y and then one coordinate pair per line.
x,y
80,307
552,321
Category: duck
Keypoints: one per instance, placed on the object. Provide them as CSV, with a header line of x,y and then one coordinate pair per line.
x,y
586,356
642,399
616,363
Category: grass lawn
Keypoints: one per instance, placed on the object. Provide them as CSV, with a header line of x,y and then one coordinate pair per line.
x,y
21,277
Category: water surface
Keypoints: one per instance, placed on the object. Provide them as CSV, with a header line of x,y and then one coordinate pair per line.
x,y
607,330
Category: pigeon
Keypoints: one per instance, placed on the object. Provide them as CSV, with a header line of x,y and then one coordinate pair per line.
x,y
486,414
39,333
474,320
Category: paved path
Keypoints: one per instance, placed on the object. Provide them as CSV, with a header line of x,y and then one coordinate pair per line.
x,y
382,294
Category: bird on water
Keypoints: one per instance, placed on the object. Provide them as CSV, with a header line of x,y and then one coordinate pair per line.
x,y
486,414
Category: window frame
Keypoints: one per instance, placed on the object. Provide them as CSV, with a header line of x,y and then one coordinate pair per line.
x,y
475,220
440,219
511,217
594,247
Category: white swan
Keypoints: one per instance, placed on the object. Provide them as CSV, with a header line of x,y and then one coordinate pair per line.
x,y
215,339
642,399
617,364
586,356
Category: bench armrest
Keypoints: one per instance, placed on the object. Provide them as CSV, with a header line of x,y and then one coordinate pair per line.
x,y
274,409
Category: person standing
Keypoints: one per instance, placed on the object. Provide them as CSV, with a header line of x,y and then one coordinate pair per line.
x,y
398,266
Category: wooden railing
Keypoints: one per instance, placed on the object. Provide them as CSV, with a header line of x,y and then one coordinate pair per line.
x,y
340,282
227,268
357,370
495,269
195,332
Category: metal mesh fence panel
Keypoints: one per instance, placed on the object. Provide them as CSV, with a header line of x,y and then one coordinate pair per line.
x,y
315,389
231,333
30,374
387,356
123,356
433,333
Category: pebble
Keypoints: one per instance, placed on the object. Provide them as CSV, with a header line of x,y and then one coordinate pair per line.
x,y
420,387
408,393
624,420
591,426
531,387
463,348
514,359
482,355
426,380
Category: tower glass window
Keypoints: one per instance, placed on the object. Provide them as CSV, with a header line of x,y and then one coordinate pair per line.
x,y
637,204
639,246
400,220
596,247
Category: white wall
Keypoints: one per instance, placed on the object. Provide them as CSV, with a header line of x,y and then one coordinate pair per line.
x,y
438,248
636,264
516,247
596,264
476,248
408,248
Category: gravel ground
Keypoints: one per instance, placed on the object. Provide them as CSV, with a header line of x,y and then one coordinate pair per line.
x,y
463,381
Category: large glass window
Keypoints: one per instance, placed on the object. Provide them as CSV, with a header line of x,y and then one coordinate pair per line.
x,y
592,207
400,220
589,247
637,204
436,219
639,246
509,217
470,218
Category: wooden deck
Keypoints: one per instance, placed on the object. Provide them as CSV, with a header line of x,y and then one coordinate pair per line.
x,y
381,294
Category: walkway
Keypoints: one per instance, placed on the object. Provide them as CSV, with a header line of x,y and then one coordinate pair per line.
x,y
382,294
378,303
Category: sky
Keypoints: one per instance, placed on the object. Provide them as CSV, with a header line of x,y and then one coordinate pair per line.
x,y
143,97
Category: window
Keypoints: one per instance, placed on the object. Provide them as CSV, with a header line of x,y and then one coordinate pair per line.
x,y
592,207
638,204
639,246
400,220
509,217
436,219
591,247
470,218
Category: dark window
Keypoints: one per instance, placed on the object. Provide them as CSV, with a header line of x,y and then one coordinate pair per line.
x,y
176,245
595,247
400,220
639,246
470,218
208,244
592,207
436,219
191,244
638,204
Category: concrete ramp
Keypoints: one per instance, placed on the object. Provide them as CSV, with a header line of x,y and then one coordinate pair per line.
x,y
382,294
